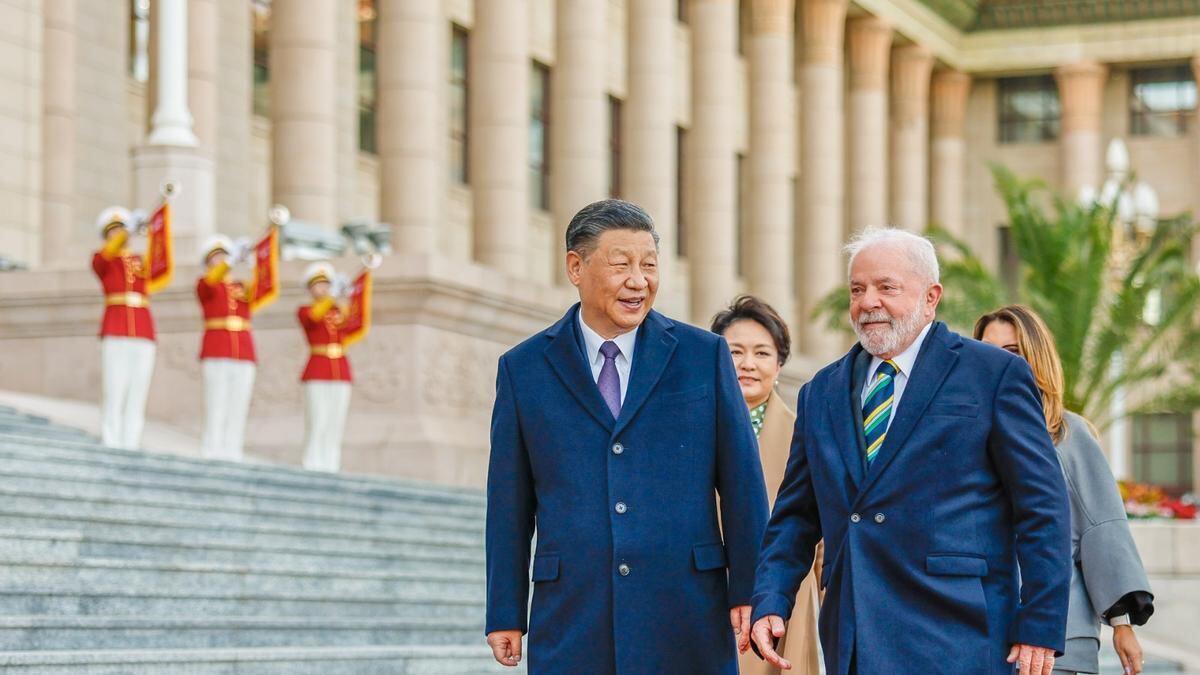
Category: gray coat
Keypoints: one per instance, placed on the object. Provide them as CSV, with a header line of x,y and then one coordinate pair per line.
x,y
1107,565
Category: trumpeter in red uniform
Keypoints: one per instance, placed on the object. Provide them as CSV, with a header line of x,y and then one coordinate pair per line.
x,y
327,376
126,333
226,351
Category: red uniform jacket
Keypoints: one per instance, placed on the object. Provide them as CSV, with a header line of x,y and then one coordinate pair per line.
x,y
126,304
328,358
226,308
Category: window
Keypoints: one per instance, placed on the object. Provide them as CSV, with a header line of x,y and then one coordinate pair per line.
x,y
261,10
614,147
740,215
539,136
1010,260
681,192
139,39
743,27
1162,451
368,81
1161,100
681,11
1029,109
458,105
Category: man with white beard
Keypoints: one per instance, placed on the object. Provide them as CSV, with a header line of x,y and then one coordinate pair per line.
x,y
923,460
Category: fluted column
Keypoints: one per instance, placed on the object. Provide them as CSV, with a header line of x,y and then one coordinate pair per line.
x,y
869,48
711,252
1081,92
579,133
772,143
498,133
948,149
61,236
820,224
171,123
412,51
304,130
911,66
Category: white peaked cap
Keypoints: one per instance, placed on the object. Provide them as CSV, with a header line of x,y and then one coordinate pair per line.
x,y
112,215
318,269
217,242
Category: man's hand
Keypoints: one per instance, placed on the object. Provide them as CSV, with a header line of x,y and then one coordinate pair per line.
x,y
506,646
764,633
1032,660
1127,647
739,618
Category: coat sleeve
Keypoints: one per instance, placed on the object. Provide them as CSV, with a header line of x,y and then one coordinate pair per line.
x,y
1108,556
511,505
1024,457
739,480
792,533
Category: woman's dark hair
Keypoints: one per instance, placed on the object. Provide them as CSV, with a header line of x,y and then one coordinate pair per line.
x,y
750,308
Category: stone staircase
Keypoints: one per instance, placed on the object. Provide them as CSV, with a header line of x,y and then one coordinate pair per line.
x,y
131,562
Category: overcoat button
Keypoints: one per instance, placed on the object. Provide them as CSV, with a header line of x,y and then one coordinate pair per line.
x,y
854,517
621,508
879,517
623,569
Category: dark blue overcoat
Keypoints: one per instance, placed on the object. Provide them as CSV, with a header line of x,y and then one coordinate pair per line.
x,y
922,546
645,588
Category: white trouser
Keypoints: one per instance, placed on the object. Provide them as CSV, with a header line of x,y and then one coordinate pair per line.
x,y
326,404
126,365
228,384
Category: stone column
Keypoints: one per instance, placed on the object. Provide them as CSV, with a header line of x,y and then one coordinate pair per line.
x,y
498,133
1081,92
713,167
869,48
948,149
62,236
772,162
911,66
819,263
170,151
412,52
203,69
579,105
304,58
648,150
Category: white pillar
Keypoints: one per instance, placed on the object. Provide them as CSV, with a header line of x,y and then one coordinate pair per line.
x,y
911,67
948,150
62,238
171,123
1081,92
869,50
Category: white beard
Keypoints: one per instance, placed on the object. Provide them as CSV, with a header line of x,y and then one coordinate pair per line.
x,y
889,340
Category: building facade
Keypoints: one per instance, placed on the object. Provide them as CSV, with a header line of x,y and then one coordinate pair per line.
x,y
757,133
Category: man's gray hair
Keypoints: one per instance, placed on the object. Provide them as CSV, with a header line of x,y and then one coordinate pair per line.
x,y
596,218
919,250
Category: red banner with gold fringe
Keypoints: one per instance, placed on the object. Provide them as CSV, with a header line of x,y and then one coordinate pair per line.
x,y
160,258
266,270
358,314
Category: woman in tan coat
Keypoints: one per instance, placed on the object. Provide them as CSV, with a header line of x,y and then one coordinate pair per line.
x,y
759,342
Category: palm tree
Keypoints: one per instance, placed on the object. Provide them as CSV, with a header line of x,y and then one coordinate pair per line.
x,y
1122,307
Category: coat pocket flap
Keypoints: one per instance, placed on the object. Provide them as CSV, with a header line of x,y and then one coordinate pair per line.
x,y
956,565
709,556
545,568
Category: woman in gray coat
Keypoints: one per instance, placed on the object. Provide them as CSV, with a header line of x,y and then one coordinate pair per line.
x,y
1108,582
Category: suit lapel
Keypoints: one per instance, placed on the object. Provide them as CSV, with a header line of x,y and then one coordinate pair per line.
x,y
841,417
570,364
655,345
934,362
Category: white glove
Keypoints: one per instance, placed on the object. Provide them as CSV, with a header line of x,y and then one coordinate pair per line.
x,y
242,251
138,223
340,286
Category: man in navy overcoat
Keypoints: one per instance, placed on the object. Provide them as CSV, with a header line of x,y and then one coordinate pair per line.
x,y
614,433
923,460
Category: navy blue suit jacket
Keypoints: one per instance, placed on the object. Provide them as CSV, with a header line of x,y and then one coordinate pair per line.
x,y
560,462
922,546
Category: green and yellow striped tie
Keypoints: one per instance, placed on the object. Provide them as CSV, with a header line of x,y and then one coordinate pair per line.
x,y
877,409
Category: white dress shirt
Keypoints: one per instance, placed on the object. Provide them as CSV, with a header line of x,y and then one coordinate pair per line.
x,y
624,360
904,362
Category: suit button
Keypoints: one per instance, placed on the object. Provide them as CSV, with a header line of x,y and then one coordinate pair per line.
x,y
621,508
618,448
623,570
854,517
879,517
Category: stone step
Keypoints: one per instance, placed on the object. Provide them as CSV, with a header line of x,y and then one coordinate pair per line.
x,y
60,507
246,473
25,633
412,660
220,512
45,476
26,574
40,544
74,601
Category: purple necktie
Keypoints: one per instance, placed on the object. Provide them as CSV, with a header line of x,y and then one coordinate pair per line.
x,y
609,381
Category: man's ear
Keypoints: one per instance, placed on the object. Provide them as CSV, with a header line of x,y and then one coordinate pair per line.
x,y
933,296
574,264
